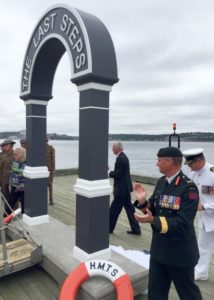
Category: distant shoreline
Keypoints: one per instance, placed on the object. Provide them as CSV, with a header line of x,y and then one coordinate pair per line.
x,y
185,137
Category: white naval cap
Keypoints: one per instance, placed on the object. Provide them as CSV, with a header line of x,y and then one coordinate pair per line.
x,y
191,154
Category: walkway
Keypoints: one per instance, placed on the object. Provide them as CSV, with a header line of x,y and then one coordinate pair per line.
x,y
34,283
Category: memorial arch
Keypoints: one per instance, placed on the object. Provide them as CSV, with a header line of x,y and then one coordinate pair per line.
x,y
94,71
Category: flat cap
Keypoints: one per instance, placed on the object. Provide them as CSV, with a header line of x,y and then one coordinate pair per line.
x,y
192,154
22,141
6,142
169,152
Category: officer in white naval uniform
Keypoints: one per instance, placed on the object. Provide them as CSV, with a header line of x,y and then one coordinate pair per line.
x,y
202,173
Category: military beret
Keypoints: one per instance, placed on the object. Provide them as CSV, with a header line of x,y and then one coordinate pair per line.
x,y
22,141
192,154
6,142
169,152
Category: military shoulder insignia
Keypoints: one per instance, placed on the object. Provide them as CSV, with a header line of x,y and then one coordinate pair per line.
x,y
178,181
193,195
190,182
212,169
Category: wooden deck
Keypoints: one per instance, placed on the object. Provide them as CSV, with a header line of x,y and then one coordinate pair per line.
x,y
36,284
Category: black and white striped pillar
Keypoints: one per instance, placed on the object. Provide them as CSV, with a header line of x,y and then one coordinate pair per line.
x,y
93,186
36,171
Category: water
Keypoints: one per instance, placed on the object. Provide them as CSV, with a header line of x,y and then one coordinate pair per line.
x,y
142,155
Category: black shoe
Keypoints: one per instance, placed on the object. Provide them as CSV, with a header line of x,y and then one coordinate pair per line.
x,y
133,232
51,203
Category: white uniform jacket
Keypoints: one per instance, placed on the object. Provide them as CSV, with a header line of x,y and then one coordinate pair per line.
x,y
204,179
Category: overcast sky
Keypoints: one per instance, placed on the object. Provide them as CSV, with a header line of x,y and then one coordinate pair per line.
x,y
165,57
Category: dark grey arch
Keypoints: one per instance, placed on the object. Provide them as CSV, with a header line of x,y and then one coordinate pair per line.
x,y
94,70
87,41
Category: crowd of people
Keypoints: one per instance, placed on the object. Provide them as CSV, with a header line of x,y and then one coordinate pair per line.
x,y
12,164
175,255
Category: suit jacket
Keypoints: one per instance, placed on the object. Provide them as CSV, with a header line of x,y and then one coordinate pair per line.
x,y
121,175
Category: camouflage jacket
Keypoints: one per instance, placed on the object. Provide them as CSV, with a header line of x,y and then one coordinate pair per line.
x,y
5,166
50,153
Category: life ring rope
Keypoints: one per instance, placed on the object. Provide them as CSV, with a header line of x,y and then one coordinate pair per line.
x,y
84,271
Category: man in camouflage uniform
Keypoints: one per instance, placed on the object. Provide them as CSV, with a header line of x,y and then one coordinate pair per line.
x,y
51,168
23,143
6,159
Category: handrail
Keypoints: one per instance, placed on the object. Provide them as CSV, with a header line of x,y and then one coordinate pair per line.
x,y
3,239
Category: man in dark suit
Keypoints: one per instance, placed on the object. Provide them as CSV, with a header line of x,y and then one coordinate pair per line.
x,y
122,191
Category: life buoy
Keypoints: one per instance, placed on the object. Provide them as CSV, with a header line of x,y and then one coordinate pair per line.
x,y
91,268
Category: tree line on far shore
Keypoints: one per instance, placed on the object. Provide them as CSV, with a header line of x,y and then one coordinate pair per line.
x,y
188,136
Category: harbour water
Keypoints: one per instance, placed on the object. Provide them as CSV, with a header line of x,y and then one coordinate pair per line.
x,y
142,155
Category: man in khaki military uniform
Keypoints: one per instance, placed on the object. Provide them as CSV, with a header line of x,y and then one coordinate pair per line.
x,y
6,159
23,143
51,168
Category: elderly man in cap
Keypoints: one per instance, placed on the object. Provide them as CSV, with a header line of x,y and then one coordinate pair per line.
x,y
202,173
5,166
171,211
23,143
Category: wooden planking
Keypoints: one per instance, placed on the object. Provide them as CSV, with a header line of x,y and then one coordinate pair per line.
x,y
29,284
16,251
10,288
14,287
63,191
35,289
34,280
48,281
6,293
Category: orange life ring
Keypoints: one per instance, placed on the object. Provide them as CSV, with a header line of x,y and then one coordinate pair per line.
x,y
91,268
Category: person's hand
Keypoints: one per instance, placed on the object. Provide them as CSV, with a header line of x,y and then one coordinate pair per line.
x,y
200,206
140,192
146,218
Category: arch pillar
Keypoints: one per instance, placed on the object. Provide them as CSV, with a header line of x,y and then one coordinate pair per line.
x,y
93,186
36,171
